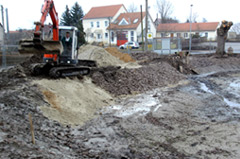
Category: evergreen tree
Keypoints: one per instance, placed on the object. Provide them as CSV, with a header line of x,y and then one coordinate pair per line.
x,y
77,15
74,17
66,17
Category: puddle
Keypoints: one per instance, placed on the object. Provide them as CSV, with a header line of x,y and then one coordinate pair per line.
x,y
139,105
233,87
231,104
204,87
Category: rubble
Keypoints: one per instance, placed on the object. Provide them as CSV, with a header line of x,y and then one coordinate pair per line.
x,y
75,118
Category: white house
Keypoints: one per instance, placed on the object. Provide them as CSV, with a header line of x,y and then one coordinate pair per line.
x,y
97,20
207,30
127,27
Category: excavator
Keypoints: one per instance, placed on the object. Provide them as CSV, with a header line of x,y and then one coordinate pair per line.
x,y
58,59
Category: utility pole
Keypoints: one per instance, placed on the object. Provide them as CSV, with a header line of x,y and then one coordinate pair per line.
x,y
146,27
7,25
190,38
3,47
142,27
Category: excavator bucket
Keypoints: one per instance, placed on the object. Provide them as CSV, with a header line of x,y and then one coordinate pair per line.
x,y
28,46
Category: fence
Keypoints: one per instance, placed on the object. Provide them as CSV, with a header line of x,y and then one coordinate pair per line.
x,y
9,56
167,45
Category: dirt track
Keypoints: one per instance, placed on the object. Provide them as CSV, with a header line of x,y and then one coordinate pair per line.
x,y
174,116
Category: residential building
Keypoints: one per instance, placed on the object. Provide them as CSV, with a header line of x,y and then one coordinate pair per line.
x,y
97,20
208,30
127,27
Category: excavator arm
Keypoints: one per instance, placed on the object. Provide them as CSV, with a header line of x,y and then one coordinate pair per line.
x,y
37,45
48,8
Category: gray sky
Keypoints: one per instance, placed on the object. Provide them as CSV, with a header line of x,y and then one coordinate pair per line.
x,y
23,13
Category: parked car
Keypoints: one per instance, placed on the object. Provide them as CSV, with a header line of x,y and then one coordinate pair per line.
x,y
130,44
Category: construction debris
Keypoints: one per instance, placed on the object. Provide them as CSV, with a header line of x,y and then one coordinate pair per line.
x,y
154,111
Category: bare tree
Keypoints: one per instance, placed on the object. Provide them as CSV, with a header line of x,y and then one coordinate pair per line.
x,y
194,17
165,9
236,28
222,33
204,20
132,8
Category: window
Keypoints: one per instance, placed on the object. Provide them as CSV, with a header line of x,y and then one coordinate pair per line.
x,y
98,25
178,35
106,23
106,35
162,34
92,35
185,35
206,34
112,36
135,21
92,24
99,36
123,22
132,35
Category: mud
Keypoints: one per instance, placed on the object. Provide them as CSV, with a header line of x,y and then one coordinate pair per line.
x,y
167,115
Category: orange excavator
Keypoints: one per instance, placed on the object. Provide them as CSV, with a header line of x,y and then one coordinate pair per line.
x,y
60,53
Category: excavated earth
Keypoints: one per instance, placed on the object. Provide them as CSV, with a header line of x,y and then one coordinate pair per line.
x,y
152,111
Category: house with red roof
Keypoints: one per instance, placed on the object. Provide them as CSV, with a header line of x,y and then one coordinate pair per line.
x,y
208,30
127,27
97,20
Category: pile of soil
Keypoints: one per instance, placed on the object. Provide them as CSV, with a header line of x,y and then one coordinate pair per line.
x,y
100,55
132,81
122,56
75,102
174,60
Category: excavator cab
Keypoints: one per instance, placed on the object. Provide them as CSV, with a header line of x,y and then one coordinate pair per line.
x,y
69,41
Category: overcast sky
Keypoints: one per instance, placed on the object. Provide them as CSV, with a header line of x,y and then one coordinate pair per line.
x,y
23,13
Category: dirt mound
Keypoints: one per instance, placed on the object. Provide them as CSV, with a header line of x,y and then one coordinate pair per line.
x,y
74,102
174,60
122,56
98,54
131,81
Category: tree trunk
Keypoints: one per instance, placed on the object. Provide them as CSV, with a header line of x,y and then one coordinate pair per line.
x,y
220,42
222,32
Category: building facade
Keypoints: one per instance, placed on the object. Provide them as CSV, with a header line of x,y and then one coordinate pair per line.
x,y
127,27
97,20
182,30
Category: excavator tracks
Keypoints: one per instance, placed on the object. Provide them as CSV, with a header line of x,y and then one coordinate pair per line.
x,y
58,72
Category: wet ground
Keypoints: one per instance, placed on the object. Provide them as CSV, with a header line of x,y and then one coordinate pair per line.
x,y
196,117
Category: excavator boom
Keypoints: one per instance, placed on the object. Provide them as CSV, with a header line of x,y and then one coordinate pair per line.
x,y
37,45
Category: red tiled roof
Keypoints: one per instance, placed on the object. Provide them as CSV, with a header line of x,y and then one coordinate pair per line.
x,y
184,27
102,12
129,17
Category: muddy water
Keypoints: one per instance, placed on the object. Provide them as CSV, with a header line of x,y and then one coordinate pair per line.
x,y
199,119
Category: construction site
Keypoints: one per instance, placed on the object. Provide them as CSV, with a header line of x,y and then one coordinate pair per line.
x,y
142,105
63,100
